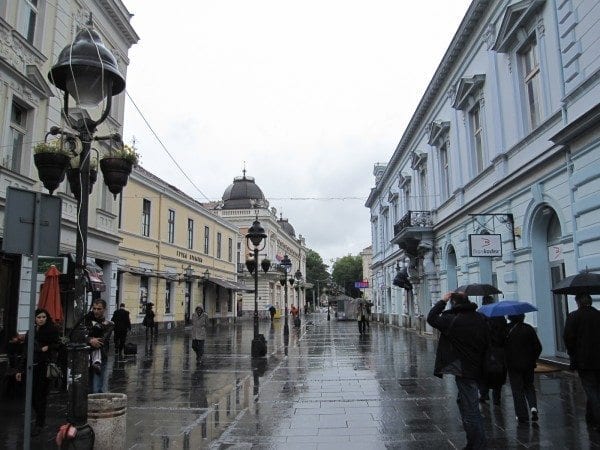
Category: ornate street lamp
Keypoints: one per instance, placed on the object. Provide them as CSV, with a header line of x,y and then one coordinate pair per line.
x,y
205,278
298,277
256,235
87,72
286,264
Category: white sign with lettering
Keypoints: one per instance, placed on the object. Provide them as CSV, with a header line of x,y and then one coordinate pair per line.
x,y
555,253
485,245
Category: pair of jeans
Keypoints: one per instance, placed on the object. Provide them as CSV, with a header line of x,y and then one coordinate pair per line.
x,y
198,347
523,392
468,405
590,381
97,379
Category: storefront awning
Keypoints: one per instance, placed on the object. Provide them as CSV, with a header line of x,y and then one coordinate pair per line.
x,y
233,285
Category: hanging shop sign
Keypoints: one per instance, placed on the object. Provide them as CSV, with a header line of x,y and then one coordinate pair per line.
x,y
485,245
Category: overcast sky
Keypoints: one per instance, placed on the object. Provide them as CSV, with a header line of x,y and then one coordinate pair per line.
x,y
308,95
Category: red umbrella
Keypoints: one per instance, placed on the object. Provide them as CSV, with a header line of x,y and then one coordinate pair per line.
x,y
50,295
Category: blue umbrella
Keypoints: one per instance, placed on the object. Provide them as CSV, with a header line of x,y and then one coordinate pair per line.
x,y
506,308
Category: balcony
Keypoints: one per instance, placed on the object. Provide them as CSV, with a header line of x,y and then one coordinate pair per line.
x,y
414,228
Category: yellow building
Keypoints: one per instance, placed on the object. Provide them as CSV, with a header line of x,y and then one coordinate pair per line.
x,y
174,254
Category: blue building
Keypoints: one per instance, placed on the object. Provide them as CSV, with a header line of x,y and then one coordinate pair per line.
x,y
495,179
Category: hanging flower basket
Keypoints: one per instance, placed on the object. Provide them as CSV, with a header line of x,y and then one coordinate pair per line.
x,y
73,179
51,168
250,265
115,171
265,264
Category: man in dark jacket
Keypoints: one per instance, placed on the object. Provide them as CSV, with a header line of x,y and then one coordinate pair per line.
x,y
461,348
122,325
582,338
522,350
98,338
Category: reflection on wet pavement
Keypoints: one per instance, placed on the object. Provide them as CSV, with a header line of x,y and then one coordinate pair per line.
x,y
325,387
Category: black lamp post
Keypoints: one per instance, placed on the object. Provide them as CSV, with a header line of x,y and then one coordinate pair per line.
x,y
189,274
88,72
286,264
298,277
256,235
205,278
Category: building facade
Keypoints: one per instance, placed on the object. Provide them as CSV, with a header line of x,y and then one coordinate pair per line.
x,y
32,33
174,254
243,202
494,179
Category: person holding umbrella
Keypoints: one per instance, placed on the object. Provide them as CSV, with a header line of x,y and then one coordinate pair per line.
x,y
495,379
523,348
582,339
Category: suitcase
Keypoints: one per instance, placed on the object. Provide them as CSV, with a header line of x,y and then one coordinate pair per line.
x,y
130,349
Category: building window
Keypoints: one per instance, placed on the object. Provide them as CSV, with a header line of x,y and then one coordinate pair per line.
x,y
190,234
206,239
27,18
530,70
219,237
146,218
168,290
144,284
477,138
424,188
218,301
18,128
407,198
171,227
444,171
230,250
229,303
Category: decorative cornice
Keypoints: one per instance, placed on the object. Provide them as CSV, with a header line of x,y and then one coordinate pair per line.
x,y
515,18
437,131
467,88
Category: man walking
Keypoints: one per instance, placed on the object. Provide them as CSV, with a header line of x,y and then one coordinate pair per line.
x,y
98,338
461,348
122,325
199,321
582,339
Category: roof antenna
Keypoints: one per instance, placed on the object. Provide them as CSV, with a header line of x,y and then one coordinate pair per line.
x,y
244,171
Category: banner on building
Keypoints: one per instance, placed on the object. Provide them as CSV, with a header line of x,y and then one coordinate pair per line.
x,y
485,245
361,284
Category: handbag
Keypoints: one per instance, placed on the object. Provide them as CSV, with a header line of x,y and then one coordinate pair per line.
x,y
53,372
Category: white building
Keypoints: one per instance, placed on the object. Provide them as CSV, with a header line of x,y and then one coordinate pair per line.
x,y
32,34
504,141
243,202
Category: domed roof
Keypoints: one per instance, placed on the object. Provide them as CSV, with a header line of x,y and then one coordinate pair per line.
x,y
287,227
243,193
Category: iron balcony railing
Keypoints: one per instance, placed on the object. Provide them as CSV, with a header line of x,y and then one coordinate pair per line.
x,y
414,219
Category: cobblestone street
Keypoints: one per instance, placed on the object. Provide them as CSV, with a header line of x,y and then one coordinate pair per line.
x,y
329,388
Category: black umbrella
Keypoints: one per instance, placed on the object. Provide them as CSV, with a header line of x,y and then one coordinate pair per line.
x,y
478,289
583,283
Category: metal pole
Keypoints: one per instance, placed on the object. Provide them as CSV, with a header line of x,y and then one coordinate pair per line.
x,y
31,330
286,328
256,293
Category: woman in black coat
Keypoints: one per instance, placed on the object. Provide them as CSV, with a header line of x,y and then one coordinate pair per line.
x,y
46,342
523,348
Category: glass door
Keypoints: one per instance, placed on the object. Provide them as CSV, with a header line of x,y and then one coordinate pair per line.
x,y
561,310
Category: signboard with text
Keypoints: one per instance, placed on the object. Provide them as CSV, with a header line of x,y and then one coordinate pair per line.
x,y
486,245
361,284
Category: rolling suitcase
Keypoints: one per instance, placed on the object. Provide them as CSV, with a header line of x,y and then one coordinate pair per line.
x,y
130,349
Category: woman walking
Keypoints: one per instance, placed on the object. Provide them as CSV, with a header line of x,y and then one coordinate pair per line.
x,y
45,345
199,321
523,348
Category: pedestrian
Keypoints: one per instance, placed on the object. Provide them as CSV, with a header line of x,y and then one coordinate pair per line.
x,y
199,322
368,306
522,350
98,338
582,339
494,379
46,342
148,321
122,325
295,315
461,349
272,311
360,317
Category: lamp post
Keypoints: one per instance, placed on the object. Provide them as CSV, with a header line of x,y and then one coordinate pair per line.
x,y
286,264
189,273
256,235
205,278
86,71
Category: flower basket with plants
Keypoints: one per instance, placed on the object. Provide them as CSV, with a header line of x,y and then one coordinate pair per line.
x,y
117,166
265,264
74,178
51,160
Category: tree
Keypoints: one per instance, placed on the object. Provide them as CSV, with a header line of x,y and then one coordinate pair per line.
x,y
346,271
316,273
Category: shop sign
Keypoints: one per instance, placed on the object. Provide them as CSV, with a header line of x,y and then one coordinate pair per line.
x,y
485,245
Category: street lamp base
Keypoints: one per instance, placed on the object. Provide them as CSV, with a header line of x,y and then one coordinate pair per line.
x,y
286,327
83,440
259,346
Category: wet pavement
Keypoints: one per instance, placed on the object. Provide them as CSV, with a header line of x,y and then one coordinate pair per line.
x,y
328,388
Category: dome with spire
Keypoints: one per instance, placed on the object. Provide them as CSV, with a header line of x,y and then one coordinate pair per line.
x,y
243,193
286,226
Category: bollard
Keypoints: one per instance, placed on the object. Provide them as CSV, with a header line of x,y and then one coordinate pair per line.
x,y
107,415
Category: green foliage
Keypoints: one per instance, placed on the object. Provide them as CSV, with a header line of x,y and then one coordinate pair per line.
x,y
51,147
316,271
347,270
127,152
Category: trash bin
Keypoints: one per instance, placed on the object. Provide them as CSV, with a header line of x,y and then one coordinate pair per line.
x,y
107,415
